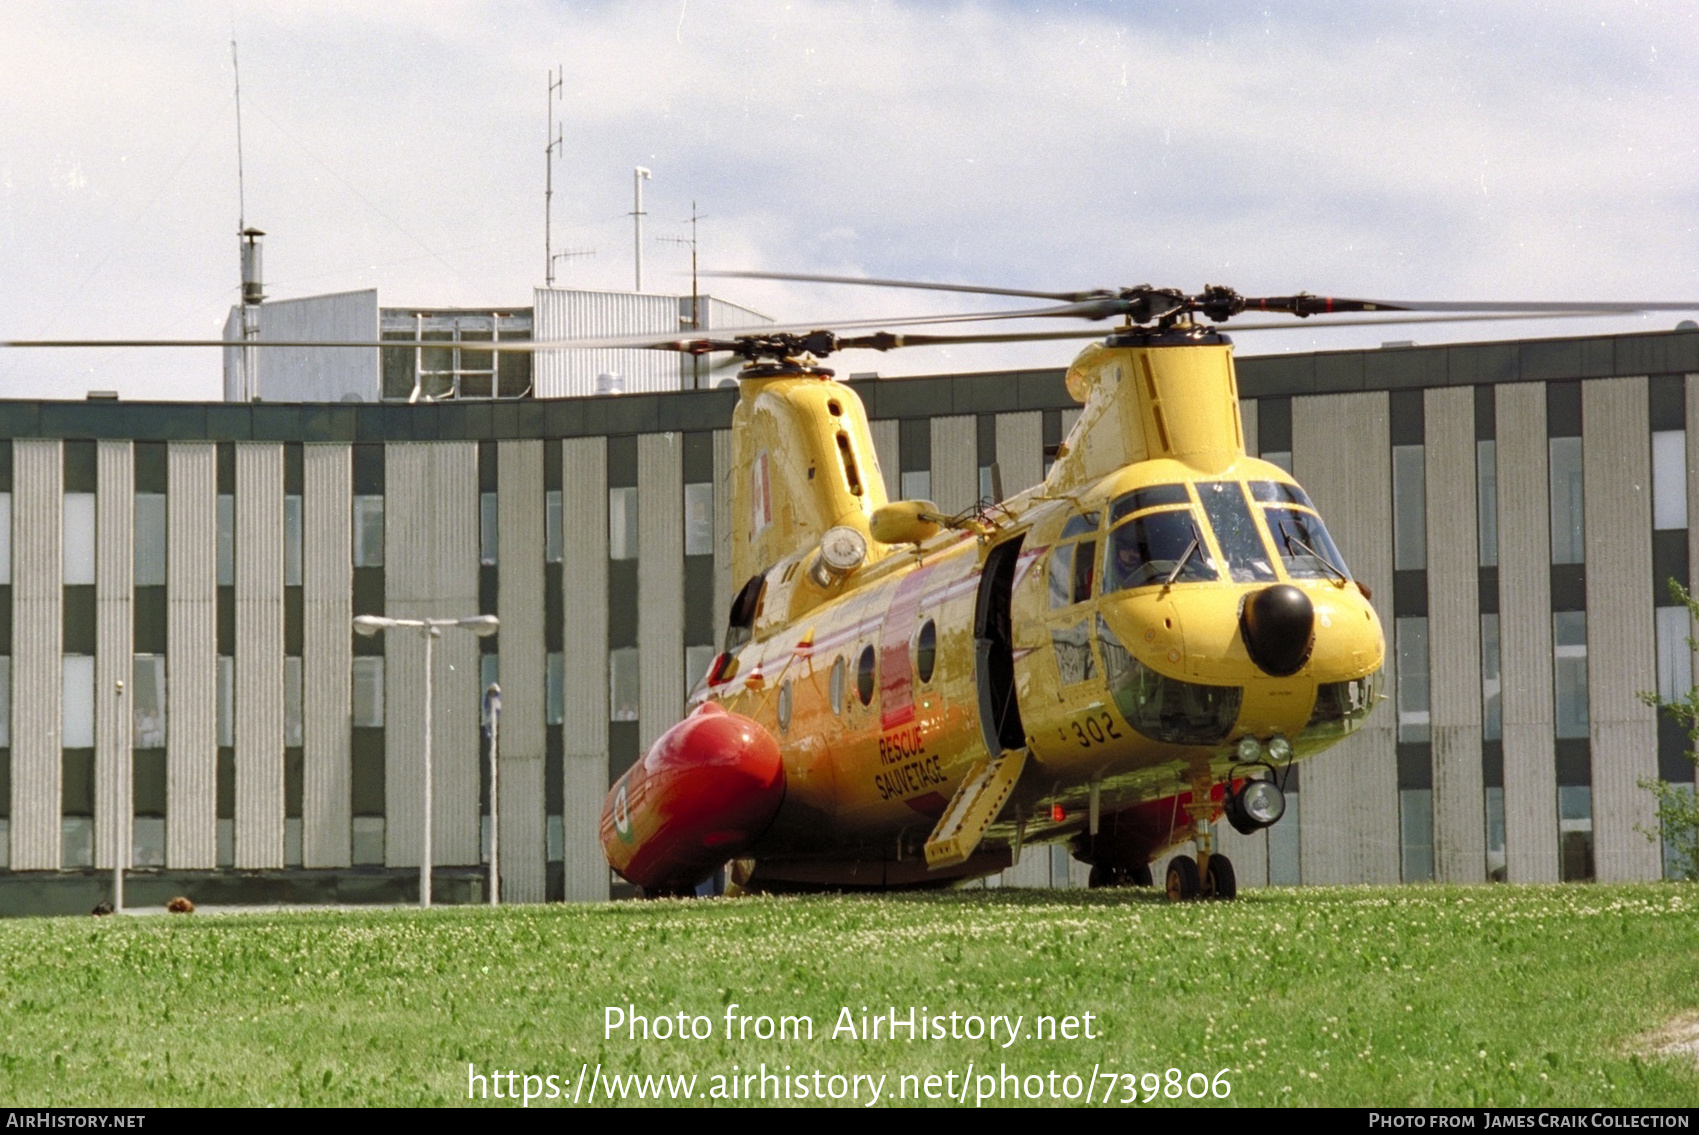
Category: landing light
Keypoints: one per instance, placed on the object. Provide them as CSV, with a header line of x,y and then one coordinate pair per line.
x,y
1257,804
1279,748
1250,751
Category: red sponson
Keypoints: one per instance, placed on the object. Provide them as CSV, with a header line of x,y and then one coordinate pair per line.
x,y
702,794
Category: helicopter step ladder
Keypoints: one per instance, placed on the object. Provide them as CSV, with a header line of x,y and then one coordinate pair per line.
x,y
973,808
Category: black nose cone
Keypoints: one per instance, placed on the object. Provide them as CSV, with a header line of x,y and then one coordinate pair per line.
x,y
1278,626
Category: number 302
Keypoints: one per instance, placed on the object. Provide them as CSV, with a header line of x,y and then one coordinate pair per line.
x,y
1097,729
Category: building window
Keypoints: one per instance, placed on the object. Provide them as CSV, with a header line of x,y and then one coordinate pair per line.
x,y
77,723
79,538
1486,500
622,523
150,540
1669,479
76,841
623,684
5,538
368,692
368,531
489,534
1495,835
1409,509
554,544
226,540
226,712
1285,868
697,659
1280,459
147,701
1569,672
554,692
368,841
5,702
1675,653
1575,832
489,674
1416,827
1492,684
147,846
292,541
1413,714
987,489
1569,527
699,519
293,718
916,485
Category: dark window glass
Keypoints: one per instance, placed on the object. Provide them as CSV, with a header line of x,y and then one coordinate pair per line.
x,y
1085,567
1148,497
1080,525
1061,575
1148,549
1224,504
926,650
1305,547
864,676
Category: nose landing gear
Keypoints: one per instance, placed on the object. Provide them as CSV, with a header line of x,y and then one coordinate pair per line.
x,y
1209,875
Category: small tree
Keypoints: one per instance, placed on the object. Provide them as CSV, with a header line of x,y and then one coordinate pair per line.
x,y
1678,805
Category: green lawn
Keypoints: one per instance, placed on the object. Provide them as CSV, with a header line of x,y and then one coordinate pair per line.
x,y
1395,996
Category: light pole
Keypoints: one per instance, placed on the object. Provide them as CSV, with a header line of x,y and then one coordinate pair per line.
x,y
492,709
638,177
124,790
431,629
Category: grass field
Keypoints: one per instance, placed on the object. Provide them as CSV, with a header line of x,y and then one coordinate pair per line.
x,y
1397,996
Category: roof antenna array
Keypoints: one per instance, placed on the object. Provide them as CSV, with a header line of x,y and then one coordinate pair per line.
x,y
253,289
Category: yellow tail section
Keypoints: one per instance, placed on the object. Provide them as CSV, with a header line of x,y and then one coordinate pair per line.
x,y
803,464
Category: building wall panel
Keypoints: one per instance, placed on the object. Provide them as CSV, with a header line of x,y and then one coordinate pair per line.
x,y
584,576
1350,793
114,632
1662,592
314,374
1249,854
1020,450
191,659
1525,634
1248,418
327,655
259,655
1454,637
724,533
1621,651
887,447
524,732
660,583
37,629
431,570
955,462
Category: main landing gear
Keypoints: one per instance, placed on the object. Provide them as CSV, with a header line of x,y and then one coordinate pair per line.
x,y
1104,875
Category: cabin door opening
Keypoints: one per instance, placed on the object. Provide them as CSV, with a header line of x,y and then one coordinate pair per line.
x,y
993,650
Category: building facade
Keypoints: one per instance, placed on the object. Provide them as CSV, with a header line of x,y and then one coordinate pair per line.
x,y
1515,508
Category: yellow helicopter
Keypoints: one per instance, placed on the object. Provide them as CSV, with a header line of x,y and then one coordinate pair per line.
x,y
1142,643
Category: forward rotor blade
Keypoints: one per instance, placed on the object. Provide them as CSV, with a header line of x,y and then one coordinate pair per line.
x,y
921,285
1306,305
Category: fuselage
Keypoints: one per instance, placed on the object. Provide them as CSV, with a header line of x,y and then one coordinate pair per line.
x,y
1097,620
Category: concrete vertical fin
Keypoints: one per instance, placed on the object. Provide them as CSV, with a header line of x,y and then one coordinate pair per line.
x,y
887,446
660,583
1020,450
955,462
114,634
38,495
259,655
327,655
191,656
524,712
584,581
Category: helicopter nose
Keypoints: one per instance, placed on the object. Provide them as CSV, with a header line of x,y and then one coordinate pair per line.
x,y
1278,626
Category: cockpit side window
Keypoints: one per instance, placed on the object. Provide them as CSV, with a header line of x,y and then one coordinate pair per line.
x,y
1080,524
1150,496
1150,548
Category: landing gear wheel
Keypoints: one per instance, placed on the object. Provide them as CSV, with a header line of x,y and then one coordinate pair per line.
x,y
1219,882
1140,876
1182,879
1102,875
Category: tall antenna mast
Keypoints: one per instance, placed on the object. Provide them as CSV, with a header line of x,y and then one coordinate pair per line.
x,y
248,246
695,294
241,187
557,82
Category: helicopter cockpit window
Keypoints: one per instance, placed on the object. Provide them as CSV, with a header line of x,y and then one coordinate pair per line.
x,y
1061,575
1304,545
1081,524
1278,492
1151,548
864,676
1150,496
1236,531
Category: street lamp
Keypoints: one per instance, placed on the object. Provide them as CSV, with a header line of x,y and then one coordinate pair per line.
x,y
124,790
492,710
431,629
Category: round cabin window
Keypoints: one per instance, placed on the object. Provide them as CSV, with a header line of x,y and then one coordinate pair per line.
x,y
838,681
785,707
926,650
864,676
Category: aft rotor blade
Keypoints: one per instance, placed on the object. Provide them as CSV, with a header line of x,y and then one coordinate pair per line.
x,y
1304,304
922,285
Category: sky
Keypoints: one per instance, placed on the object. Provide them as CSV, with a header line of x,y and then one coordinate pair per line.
x,y
1488,151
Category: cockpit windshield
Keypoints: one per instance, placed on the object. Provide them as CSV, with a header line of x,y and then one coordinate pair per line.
x,y
1305,547
1153,547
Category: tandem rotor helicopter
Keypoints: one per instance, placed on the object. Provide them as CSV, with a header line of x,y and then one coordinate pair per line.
x,y
1144,642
